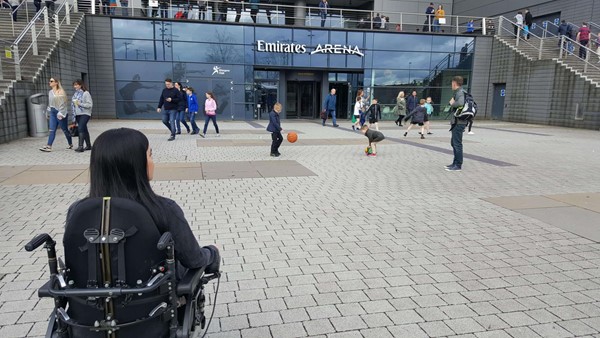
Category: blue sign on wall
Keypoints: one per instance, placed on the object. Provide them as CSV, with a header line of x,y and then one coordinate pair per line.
x,y
502,92
556,21
533,26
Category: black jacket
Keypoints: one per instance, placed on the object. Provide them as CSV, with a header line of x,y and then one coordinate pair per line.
x,y
172,93
411,103
182,104
374,135
528,19
418,115
374,112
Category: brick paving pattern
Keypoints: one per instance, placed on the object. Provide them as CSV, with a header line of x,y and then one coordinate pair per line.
x,y
391,246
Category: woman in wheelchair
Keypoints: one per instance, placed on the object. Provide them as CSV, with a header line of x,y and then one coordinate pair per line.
x,y
132,264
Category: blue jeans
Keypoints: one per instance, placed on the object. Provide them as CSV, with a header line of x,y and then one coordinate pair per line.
x,y
436,25
55,123
323,18
181,119
456,142
168,119
195,128
332,113
214,119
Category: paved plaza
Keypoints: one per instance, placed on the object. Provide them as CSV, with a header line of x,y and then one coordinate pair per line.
x,y
324,241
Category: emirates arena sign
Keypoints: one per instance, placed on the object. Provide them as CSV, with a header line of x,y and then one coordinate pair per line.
x,y
280,47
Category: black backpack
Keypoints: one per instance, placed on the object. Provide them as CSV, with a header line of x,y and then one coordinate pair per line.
x,y
469,109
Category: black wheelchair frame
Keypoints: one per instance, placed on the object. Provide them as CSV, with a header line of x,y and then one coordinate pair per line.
x,y
182,319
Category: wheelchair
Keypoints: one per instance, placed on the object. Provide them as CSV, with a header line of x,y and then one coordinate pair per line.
x,y
119,278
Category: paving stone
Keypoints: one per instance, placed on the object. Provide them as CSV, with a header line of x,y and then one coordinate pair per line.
x,y
264,318
348,323
288,330
319,326
436,329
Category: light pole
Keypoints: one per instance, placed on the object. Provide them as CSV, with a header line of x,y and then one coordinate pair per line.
x,y
126,47
409,66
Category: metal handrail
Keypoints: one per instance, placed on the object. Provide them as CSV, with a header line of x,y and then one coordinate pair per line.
x,y
335,18
593,24
592,35
32,30
589,52
12,23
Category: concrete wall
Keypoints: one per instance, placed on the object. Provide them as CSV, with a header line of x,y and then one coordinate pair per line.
x,y
480,77
101,65
542,92
66,63
575,11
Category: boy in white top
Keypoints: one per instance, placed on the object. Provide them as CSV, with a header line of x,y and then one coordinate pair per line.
x,y
519,21
357,109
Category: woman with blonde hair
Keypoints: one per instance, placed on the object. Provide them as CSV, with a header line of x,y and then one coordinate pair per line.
x,y
400,108
57,114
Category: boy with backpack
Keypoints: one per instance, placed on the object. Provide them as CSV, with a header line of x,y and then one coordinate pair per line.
x,y
463,109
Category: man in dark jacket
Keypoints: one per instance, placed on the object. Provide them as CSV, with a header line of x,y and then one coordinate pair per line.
x,y
169,101
430,11
528,21
562,31
458,126
275,128
412,102
329,107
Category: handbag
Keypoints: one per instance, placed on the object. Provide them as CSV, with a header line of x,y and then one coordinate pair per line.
x,y
442,21
74,130
324,114
353,118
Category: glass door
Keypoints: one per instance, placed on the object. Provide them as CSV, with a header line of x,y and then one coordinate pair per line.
x,y
302,99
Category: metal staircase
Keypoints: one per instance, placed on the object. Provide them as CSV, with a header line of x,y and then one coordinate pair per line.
x,y
25,53
547,48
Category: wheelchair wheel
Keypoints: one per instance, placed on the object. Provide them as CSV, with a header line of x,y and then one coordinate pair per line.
x,y
199,317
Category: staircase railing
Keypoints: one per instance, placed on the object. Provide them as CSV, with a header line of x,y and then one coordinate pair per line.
x,y
12,23
34,31
563,51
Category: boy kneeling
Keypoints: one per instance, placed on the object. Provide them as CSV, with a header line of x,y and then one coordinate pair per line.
x,y
374,137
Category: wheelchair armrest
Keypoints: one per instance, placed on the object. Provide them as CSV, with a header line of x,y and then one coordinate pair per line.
x,y
44,290
190,281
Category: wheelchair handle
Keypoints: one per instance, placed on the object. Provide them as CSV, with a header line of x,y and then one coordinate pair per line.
x,y
165,240
37,241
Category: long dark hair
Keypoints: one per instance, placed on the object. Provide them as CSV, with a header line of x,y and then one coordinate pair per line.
x,y
80,83
119,168
212,96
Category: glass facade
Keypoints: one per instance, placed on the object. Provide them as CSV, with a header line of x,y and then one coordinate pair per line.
x,y
249,68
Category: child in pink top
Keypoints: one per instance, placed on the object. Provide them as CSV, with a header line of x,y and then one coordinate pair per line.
x,y
210,109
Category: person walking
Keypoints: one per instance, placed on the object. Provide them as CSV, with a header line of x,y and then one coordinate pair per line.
x,y
14,4
192,109
254,9
528,22
519,23
562,31
429,107
323,6
440,18
181,109
457,125
210,109
374,114
169,99
329,106
412,102
356,113
81,105
583,37
275,128
400,108
417,117
364,104
202,5
57,114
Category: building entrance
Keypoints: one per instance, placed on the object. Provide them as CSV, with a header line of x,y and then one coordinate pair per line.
x,y
302,99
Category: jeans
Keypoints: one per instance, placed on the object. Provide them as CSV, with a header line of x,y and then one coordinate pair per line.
x,y
332,113
277,140
583,49
84,135
456,142
195,128
54,123
168,119
214,119
323,18
180,118
436,25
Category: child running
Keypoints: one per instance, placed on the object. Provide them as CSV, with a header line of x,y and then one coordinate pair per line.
x,y
429,107
210,108
374,137
418,116
357,110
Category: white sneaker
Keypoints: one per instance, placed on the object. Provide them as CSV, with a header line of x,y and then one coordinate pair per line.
x,y
471,133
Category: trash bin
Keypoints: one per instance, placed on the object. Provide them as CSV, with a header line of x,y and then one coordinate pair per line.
x,y
36,115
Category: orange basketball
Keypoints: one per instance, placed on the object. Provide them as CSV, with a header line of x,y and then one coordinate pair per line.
x,y
292,137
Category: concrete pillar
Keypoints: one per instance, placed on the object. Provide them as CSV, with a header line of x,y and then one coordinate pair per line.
x,y
300,13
